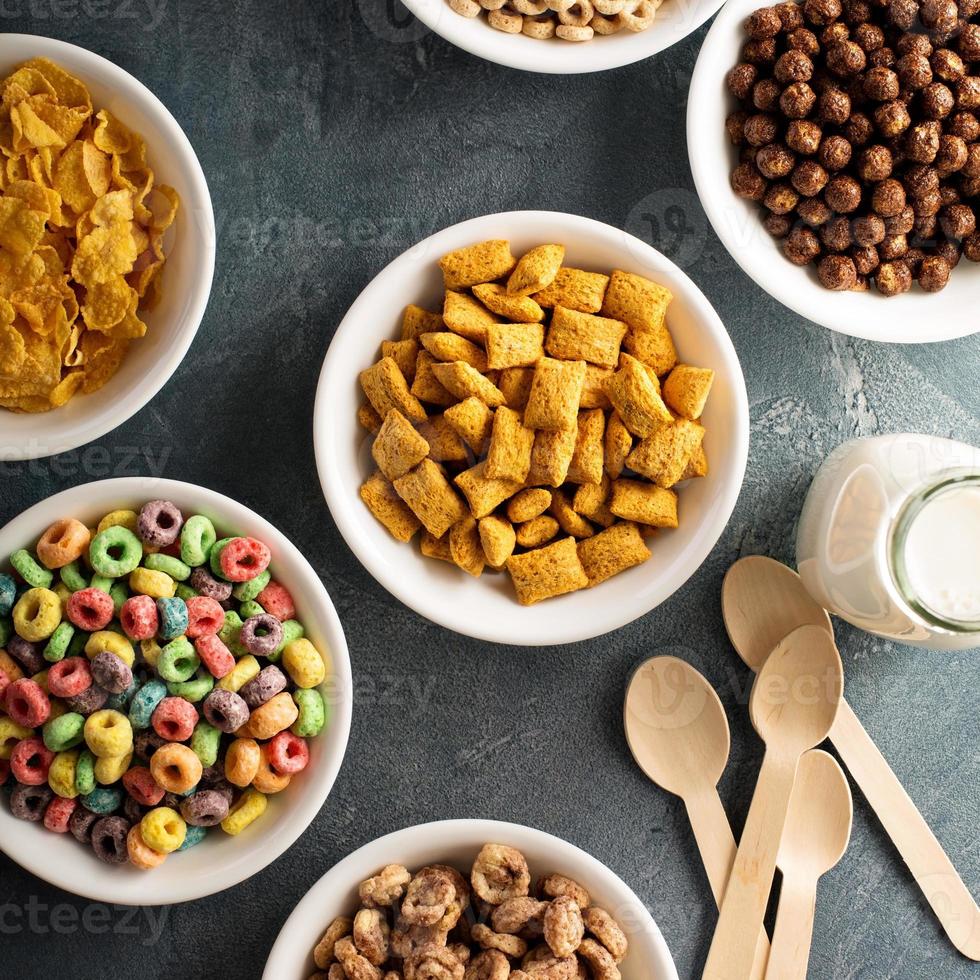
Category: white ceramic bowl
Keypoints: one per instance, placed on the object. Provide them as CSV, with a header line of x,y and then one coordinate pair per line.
x,y
914,317
190,244
457,842
219,861
486,608
675,20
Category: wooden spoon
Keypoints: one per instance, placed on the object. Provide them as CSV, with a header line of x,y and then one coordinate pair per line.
x,y
817,832
678,734
762,599
794,701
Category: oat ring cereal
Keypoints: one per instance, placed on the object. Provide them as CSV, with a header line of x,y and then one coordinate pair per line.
x,y
569,20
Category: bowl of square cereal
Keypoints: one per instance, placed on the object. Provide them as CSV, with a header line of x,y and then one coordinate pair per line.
x,y
175,691
470,900
107,246
525,407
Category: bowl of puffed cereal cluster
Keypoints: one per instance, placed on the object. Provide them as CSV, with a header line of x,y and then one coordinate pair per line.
x,y
836,150
470,900
175,691
106,246
531,428
563,37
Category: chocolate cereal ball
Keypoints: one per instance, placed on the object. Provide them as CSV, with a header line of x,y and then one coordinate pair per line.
x,y
869,37
921,179
965,125
903,14
952,155
893,278
760,52
913,259
937,101
865,258
775,161
763,23
892,118
801,246
778,225
893,247
939,15
972,166
797,100
747,182
741,79
781,199
793,66
971,247
790,15
927,203
969,42
881,85
933,273
804,40
922,142
836,234
735,126
968,93
820,13
760,129
888,198
834,106
875,163
947,65
950,251
859,129
901,223
803,136
914,71
765,94
868,230
913,43
834,33
809,178
834,153
814,212
958,221
846,58
837,272
843,194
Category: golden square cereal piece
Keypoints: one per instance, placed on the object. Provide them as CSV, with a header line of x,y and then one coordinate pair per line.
x,y
417,321
556,391
404,353
686,390
465,547
498,539
433,547
594,390
380,498
569,521
517,309
386,388
586,465
445,445
473,421
592,501
478,263
612,551
537,531
546,572
398,448
509,456
431,497
515,383
536,269
642,304
427,386
697,465
575,289
485,495
528,504
465,316
636,398
664,454
446,346
551,457
512,345
465,381
368,418
618,444
575,336
644,503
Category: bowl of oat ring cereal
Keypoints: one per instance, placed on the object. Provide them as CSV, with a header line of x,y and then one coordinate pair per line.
x,y
835,146
470,900
563,37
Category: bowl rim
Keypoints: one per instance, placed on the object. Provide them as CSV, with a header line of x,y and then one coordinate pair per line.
x,y
78,432
349,871
136,889
599,54
881,323
342,500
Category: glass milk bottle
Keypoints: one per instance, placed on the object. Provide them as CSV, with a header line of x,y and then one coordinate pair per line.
x,y
889,539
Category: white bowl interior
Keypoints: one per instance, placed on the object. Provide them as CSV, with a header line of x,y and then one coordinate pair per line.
x,y
486,608
675,20
457,843
219,861
914,317
187,274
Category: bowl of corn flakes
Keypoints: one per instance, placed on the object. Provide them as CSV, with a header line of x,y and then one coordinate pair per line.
x,y
531,428
107,246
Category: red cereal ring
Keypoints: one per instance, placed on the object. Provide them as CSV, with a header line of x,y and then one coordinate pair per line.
x,y
30,762
142,787
139,617
288,753
174,719
69,677
244,558
214,655
204,616
58,814
26,703
276,600
4,770
90,609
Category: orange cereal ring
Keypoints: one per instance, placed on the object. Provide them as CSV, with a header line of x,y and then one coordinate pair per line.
x,y
274,716
175,767
62,543
242,761
267,780
141,855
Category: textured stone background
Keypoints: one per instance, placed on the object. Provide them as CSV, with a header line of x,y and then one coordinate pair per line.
x,y
334,135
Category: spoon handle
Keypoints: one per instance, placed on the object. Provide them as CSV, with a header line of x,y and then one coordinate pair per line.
x,y
716,842
743,908
930,865
793,934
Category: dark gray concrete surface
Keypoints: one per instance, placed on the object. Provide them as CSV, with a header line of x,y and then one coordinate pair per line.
x,y
334,135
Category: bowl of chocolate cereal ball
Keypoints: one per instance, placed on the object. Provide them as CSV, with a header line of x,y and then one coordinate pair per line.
x,y
842,137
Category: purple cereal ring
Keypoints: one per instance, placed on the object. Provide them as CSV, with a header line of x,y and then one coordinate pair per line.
x,y
30,802
205,809
204,583
266,684
80,824
213,778
171,801
132,811
159,523
111,673
27,654
109,839
146,743
225,710
261,635
90,700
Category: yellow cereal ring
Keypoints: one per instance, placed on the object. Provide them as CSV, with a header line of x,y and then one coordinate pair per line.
x,y
61,774
37,614
267,780
157,585
274,716
110,769
64,594
108,734
304,664
41,679
240,674
242,761
250,806
141,855
10,666
163,829
119,518
151,651
175,767
113,642
10,734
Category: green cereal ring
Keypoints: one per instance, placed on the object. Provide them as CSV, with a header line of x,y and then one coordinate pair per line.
x,y
249,609
197,537
292,629
230,631
103,800
312,713
205,742
115,552
85,773
30,571
119,593
178,661
185,592
6,630
57,645
193,690
103,582
76,646
171,566
73,577
64,732
214,557
246,591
